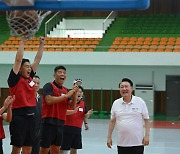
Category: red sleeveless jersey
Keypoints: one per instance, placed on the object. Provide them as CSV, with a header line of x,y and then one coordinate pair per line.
x,y
24,92
57,110
77,118
2,134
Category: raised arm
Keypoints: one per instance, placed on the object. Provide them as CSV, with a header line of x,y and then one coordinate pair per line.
x,y
72,103
88,114
8,116
39,54
19,56
7,103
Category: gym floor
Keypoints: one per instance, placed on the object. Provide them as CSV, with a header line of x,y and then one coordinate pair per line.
x,y
164,138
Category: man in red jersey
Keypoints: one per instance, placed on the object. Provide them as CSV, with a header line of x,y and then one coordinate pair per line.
x,y
23,109
54,107
72,138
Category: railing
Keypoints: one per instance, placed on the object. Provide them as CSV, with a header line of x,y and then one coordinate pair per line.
x,y
78,33
52,22
111,17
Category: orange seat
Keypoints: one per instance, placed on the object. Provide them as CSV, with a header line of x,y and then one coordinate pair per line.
x,y
145,47
6,49
135,50
116,42
125,39
129,47
118,38
134,39
58,49
13,49
86,43
74,49
139,42
35,43
176,50
170,43
95,42
50,43
148,39
137,47
131,43
112,50
89,50
81,50
12,38
160,50
123,43
140,39
121,46
65,43
162,43
51,49
8,42
143,50
156,39
66,49
172,39
164,39
73,42
127,50
155,42
147,42
119,50
29,42
168,50
35,49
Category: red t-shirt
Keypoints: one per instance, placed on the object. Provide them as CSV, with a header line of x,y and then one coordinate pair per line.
x,y
57,110
24,92
2,134
77,118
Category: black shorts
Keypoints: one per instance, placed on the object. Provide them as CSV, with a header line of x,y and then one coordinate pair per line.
x,y
51,135
131,150
22,130
71,140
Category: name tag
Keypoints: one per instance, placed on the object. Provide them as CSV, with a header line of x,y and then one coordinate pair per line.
x,y
32,83
135,109
81,109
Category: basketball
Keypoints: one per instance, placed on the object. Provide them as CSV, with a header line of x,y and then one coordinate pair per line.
x,y
23,22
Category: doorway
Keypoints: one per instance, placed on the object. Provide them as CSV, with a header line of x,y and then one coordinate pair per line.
x,y
173,95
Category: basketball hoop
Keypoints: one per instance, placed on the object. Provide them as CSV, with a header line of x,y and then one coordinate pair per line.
x,y
25,23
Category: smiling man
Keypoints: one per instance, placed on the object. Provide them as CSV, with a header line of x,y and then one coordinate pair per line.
x,y
54,107
22,86
131,116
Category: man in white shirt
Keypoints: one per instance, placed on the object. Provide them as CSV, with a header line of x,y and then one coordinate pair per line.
x,y
130,114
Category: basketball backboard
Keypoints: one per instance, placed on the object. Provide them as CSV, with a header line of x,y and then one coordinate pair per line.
x,y
69,5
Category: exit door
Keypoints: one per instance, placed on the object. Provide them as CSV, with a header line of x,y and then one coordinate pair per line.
x,y
173,97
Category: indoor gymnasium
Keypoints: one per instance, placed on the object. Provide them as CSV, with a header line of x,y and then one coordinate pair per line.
x,y
89,76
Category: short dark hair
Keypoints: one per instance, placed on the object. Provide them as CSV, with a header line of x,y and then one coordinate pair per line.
x,y
126,80
24,60
36,76
81,88
59,67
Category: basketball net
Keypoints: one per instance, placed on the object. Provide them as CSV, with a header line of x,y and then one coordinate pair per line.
x,y
25,24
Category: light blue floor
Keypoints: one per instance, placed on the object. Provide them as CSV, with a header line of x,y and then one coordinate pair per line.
x,y
162,141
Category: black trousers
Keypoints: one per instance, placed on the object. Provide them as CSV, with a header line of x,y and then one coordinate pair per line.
x,y
1,147
131,150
